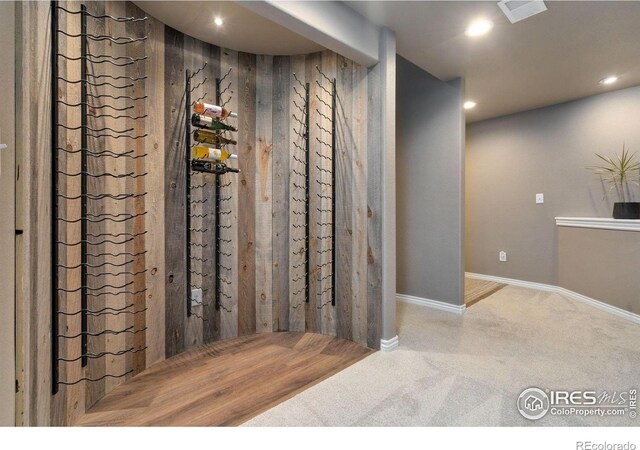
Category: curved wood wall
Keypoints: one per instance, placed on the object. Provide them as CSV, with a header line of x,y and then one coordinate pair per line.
x,y
260,295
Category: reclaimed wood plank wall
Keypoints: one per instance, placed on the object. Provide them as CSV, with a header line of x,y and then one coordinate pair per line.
x,y
259,294
261,248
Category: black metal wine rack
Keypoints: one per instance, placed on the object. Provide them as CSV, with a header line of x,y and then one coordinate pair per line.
x,y
327,181
300,196
95,261
195,214
223,198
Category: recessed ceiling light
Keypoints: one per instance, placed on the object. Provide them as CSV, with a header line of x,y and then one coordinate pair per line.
x,y
218,21
479,27
469,104
609,80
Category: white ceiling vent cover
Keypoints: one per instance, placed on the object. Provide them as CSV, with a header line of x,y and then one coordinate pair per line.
x,y
517,10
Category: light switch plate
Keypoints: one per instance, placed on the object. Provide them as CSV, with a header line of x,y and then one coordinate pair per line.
x,y
502,256
539,198
196,297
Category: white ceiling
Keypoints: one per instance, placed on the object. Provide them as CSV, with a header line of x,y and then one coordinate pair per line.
x,y
242,30
556,56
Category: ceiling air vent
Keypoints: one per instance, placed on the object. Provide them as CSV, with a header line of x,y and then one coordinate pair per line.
x,y
517,10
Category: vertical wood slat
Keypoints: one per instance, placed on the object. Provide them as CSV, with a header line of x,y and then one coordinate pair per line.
x,y
139,166
328,311
115,365
75,395
155,243
229,298
40,271
247,192
263,198
175,254
296,250
193,332
374,209
281,173
96,368
312,312
66,163
359,206
343,201
211,316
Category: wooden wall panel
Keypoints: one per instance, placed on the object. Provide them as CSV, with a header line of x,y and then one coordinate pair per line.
x,y
155,149
246,193
280,191
359,208
327,310
259,292
374,210
194,332
312,312
264,197
137,361
211,317
175,254
296,144
345,186
230,269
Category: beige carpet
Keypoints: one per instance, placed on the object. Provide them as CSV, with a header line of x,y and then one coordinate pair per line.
x,y
469,369
476,290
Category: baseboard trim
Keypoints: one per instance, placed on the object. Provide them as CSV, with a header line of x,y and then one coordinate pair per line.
x,y
389,345
635,318
435,304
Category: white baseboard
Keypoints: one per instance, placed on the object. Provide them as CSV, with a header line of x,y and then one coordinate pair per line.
x,y
512,282
389,345
562,291
435,304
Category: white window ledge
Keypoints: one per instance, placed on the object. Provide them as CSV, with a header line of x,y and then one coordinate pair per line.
x,y
599,223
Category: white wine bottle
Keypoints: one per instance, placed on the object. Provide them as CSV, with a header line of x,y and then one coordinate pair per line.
x,y
215,111
204,152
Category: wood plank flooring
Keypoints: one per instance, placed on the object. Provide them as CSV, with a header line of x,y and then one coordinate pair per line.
x,y
476,290
226,382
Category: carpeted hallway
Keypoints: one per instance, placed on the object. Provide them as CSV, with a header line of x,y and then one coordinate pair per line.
x,y
468,370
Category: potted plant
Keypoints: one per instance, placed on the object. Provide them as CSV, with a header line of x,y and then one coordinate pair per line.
x,y
620,174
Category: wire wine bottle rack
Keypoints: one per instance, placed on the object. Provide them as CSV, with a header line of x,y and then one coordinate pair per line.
x,y
102,271
222,207
195,215
300,197
326,225
223,202
326,193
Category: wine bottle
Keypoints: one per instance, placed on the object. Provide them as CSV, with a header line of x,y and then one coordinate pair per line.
x,y
219,168
215,111
210,124
207,137
204,152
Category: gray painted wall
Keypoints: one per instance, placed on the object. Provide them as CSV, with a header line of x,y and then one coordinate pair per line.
x,y
429,183
7,216
388,66
601,264
547,150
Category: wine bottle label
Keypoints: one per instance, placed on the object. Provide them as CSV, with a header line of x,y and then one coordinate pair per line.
x,y
215,153
212,110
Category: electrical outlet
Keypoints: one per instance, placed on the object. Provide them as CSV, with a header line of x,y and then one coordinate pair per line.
x,y
539,198
502,256
196,297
